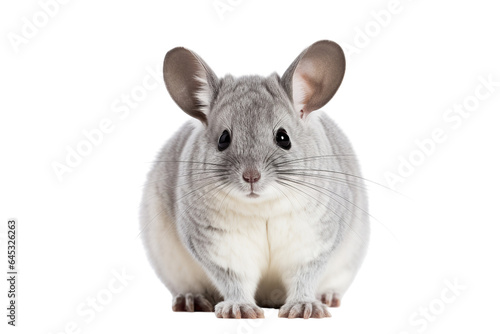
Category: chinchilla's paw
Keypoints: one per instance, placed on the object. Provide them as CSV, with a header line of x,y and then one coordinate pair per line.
x,y
191,302
236,310
330,299
304,309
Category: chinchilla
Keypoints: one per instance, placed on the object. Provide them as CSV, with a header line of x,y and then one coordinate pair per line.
x,y
258,201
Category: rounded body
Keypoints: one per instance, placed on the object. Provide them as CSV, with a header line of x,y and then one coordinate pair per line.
x,y
314,222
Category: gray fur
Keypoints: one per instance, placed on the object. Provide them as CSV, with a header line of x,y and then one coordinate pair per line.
x,y
190,171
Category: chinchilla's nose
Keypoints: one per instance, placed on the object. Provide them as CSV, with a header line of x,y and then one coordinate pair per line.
x,y
251,175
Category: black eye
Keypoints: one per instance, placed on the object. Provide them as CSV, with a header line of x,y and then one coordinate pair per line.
x,y
224,140
283,140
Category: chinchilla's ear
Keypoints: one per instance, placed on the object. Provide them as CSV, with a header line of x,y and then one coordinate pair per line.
x,y
314,76
190,82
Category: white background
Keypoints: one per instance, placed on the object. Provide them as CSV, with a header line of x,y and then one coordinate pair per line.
x,y
440,226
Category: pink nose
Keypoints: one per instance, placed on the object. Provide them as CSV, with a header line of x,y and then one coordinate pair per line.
x,y
251,175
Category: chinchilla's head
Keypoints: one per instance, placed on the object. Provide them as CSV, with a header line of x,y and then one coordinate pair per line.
x,y
253,125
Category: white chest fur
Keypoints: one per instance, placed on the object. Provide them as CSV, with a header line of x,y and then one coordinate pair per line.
x,y
267,241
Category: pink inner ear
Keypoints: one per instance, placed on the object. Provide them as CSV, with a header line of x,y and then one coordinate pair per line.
x,y
301,93
303,86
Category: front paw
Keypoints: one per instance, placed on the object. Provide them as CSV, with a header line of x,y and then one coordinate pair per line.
x,y
191,303
236,310
304,309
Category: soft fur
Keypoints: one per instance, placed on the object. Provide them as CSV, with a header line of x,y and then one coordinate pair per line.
x,y
296,246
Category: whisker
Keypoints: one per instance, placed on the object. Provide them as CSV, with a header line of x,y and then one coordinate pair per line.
x,y
268,163
192,191
312,186
181,214
308,185
231,160
148,223
346,174
227,194
213,173
190,162
314,157
328,177
218,176
279,156
289,200
318,201
176,202
196,201
329,191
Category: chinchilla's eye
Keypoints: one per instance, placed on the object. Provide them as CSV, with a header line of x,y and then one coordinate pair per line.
x,y
224,140
282,139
